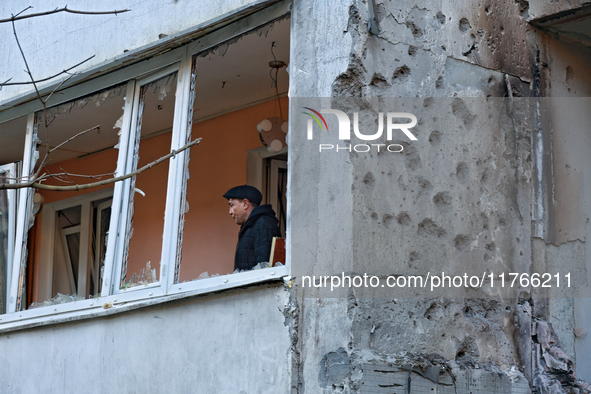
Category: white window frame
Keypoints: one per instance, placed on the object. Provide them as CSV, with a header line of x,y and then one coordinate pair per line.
x,y
11,171
113,299
47,246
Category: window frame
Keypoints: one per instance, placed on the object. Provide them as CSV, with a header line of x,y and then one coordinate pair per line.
x,y
11,170
47,246
114,300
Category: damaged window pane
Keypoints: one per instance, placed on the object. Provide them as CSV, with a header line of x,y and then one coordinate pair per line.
x,y
228,104
147,197
146,276
58,299
77,145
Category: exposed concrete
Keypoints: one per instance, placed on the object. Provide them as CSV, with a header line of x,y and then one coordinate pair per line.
x,y
554,370
460,196
320,47
458,199
566,81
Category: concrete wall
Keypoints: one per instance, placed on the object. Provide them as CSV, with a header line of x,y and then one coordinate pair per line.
x,y
458,199
227,343
567,90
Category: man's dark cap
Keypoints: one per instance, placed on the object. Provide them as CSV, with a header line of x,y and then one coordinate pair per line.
x,y
251,193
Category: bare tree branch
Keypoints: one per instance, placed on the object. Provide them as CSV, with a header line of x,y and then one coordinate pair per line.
x,y
5,82
36,185
38,96
97,176
66,71
28,70
29,7
77,135
57,87
65,9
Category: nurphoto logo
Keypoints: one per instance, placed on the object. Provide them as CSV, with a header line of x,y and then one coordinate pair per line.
x,y
345,130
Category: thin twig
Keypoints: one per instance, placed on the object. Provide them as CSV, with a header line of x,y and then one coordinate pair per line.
x,y
28,8
58,86
38,96
25,60
18,16
36,185
4,83
97,176
66,71
65,9
77,135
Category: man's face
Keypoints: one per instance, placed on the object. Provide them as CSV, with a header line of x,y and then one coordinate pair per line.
x,y
239,210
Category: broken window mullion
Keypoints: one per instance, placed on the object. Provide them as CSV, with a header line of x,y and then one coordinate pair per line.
x,y
132,163
175,202
85,249
159,81
112,259
115,249
25,208
8,212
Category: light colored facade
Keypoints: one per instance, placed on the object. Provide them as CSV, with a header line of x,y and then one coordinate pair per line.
x,y
495,182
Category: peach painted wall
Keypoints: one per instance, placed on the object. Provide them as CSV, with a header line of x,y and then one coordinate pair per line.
x,y
210,234
148,218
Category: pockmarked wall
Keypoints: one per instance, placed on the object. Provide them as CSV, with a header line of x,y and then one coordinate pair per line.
x,y
459,200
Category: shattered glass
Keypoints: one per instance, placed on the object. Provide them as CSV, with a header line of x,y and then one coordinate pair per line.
x,y
58,299
97,98
154,121
146,276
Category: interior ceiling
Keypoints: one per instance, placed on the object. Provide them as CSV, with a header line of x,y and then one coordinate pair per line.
x,y
12,134
230,78
242,75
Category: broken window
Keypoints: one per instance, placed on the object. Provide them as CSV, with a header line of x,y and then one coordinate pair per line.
x,y
276,187
154,115
127,238
11,150
234,90
69,234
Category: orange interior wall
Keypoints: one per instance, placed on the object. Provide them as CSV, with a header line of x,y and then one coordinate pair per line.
x,y
210,234
219,163
148,219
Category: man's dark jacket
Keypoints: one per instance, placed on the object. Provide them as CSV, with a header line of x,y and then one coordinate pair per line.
x,y
255,237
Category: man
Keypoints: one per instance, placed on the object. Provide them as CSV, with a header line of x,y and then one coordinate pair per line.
x,y
258,226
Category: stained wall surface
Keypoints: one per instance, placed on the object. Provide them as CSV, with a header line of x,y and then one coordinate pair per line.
x,y
458,199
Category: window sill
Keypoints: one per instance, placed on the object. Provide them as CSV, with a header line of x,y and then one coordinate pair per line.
x,y
122,302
